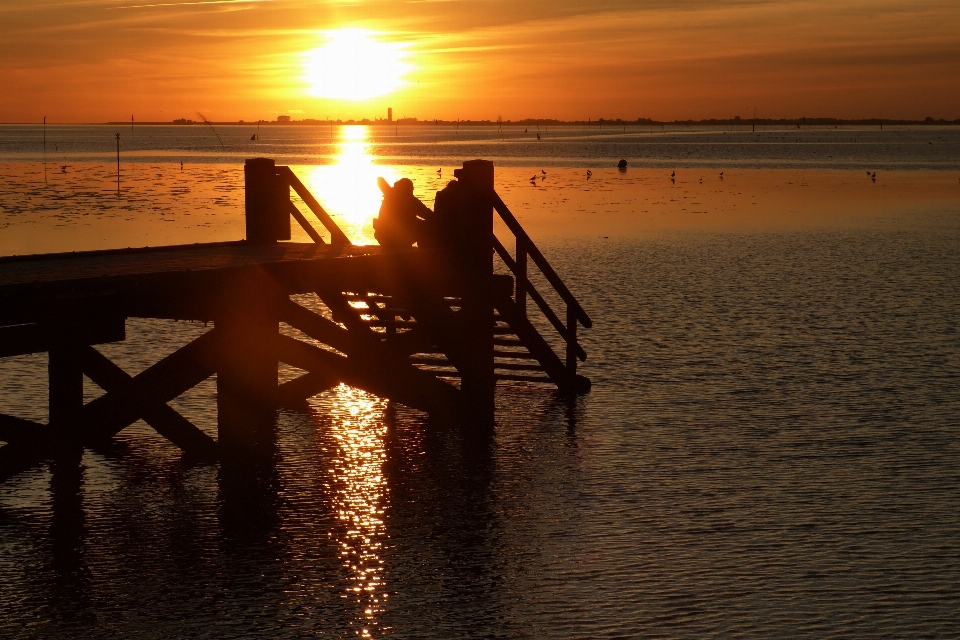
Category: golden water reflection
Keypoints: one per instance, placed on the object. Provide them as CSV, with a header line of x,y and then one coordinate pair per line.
x,y
356,473
348,189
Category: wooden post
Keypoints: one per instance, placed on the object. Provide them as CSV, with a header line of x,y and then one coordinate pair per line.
x,y
476,255
521,275
266,202
248,318
65,377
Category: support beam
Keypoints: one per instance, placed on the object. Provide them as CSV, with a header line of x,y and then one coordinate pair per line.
x,y
294,393
18,457
394,379
21,339
159,384
65,380
165,420
19,431
314,325
248,320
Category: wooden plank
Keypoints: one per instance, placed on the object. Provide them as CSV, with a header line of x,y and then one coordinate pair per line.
x,y
383,376
517,366
18,340
533,341
523,355
520,378
18,430
314,325
163,418
18,457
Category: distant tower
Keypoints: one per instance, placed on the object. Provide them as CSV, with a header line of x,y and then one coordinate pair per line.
x,y
389,114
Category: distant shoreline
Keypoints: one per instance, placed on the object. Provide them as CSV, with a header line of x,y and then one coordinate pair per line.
x,y
534,122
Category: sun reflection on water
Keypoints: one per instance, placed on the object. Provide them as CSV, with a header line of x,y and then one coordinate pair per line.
x,y
348,189
357,477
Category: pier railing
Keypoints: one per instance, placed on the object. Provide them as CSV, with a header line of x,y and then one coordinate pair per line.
x,y
518,264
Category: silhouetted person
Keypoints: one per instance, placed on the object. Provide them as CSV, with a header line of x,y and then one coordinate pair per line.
x,y
403,220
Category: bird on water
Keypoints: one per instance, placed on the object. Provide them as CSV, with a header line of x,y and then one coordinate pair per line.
x,y
673,174
589,173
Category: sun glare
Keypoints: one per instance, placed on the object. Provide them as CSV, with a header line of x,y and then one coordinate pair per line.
x,y
348,189
355,64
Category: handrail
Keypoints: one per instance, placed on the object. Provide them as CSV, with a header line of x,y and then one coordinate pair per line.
x,y
538,258
544,306
337,236
295,212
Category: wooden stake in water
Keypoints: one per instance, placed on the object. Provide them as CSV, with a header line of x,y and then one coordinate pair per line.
x,y
117,135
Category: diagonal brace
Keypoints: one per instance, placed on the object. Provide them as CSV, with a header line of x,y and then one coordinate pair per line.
x,y
164,419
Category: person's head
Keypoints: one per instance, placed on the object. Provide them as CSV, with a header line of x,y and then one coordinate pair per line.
x,y
403,186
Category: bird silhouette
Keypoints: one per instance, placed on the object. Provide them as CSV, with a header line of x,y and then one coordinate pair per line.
x,y
721,174
63,168
874,175
543,172
533,177
440,171
868,173
589,173
673,174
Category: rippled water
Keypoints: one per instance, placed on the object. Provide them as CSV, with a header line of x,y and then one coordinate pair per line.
x,y
771,448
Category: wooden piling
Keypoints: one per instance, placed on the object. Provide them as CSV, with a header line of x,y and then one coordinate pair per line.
x,y
65,379
267,199
248,319
475,236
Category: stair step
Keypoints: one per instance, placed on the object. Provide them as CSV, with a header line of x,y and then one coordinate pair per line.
x,y
400,324
522,355
517,366
354,297
519,378
434,361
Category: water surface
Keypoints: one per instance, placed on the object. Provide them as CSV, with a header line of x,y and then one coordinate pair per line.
x,y
770,447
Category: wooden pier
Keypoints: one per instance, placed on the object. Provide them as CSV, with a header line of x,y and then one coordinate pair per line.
x,y
434,329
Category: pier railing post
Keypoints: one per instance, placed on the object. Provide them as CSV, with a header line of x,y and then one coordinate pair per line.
x,y
266,198
521,275
476,233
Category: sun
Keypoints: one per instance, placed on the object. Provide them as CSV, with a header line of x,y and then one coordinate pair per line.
x,y
355,64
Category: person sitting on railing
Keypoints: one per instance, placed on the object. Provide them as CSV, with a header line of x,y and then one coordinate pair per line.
x,y
403,220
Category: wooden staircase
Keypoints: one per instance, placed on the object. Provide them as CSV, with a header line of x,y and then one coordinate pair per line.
x,y
521,353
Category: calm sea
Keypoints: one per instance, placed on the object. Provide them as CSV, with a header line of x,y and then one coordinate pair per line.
x,y
771,447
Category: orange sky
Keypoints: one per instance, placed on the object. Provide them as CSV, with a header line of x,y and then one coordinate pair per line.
x,y
99,60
